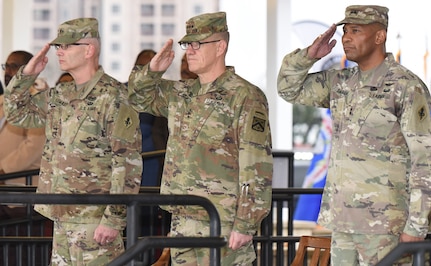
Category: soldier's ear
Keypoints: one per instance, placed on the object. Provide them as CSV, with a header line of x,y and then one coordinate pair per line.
x,y
380,36
90,50
221,47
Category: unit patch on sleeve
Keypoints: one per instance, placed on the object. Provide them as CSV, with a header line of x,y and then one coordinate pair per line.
x,y
128,121
258,123
257,128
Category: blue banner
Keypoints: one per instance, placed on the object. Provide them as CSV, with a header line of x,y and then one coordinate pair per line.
x,y
308,206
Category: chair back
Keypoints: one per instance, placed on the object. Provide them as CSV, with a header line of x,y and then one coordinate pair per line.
x,y
321,253
164,259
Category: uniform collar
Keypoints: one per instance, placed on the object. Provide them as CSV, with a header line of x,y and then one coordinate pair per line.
x,y
375,77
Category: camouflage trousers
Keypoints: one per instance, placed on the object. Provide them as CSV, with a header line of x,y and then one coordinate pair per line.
x,y
182,226
73,245
363,250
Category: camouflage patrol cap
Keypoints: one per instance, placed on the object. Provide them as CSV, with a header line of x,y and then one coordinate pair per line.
x,y
201,27
76,29
358,14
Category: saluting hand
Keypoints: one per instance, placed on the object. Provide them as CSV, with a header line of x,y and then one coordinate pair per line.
x,y
38,62
323,44
163,59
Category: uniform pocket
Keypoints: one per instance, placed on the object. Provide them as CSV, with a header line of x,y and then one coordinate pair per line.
x,y
374,126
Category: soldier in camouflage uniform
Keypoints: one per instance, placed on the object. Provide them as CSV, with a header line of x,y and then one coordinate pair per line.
x,y
93,144
219,144
378,187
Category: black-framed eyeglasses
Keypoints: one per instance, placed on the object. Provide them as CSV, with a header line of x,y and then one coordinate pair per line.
x,y
194,45
12,67
66,46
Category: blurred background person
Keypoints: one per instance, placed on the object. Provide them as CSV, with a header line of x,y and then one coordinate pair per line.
x,y
185,71
64,77
14,61
21,148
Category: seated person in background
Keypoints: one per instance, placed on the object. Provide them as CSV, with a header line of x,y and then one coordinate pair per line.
x,y
21,148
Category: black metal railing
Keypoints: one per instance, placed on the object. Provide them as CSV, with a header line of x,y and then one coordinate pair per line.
x,y
420,252
264,240
214,242
270,241
27,174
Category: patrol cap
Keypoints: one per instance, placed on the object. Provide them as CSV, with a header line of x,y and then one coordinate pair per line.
x,y
358,14
201,27
77,29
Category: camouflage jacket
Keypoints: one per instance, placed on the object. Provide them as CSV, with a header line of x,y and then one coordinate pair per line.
x,y
93,143
379,177
219,144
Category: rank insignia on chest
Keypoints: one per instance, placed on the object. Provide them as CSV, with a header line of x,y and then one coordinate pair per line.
x,y
258,124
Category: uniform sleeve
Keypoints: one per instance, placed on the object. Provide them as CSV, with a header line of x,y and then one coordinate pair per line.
x,y
255,166
296,86
125,138
21,107
416,128
146,88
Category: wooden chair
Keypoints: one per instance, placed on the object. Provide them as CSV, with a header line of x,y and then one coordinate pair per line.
x,y
164,258
321,253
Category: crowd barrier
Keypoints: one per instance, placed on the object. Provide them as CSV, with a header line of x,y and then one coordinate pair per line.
x,y
275,242
214,242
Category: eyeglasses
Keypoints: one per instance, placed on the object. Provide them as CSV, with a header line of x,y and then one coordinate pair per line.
x,y
66,46
194,45
13,67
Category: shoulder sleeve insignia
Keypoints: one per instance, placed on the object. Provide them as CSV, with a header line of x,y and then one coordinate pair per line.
x,y
128,122
258,128
258,124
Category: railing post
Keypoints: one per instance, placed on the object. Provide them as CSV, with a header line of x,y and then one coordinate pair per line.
x,y
132,227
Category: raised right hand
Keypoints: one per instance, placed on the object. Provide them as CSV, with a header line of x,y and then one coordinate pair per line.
x,y
163,59
323,44
38,62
